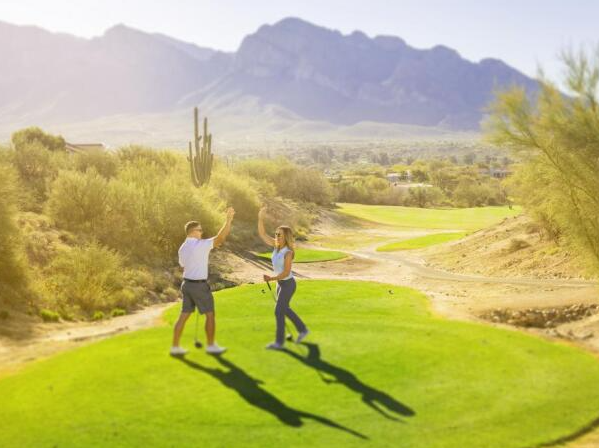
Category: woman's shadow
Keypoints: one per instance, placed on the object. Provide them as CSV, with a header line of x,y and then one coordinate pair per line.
x,y
378,400
251,391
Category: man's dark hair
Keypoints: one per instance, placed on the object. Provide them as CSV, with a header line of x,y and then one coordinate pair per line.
x,y
191,225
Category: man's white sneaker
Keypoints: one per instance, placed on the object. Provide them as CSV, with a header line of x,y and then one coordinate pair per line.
x,y
214,349
178,351
302,336
274,346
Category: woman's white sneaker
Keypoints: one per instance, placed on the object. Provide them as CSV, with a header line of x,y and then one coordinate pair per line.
x,y
274,346
214,349
302,336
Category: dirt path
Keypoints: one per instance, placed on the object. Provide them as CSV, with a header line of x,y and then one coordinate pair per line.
x,y
49,339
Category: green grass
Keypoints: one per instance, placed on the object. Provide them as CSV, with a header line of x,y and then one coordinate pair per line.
x,y
311,255
441,384
466,219
421,241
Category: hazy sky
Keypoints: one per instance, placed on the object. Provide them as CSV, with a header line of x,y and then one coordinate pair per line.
x,y
524,33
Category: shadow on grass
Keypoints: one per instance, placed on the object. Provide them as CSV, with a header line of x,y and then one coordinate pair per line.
x,y
378,400
251,391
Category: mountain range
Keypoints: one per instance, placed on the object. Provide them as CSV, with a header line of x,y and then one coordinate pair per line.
x,y
291,78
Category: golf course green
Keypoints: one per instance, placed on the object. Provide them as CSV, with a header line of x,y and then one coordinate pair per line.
x,y
310,255
377,370
421,241
465,219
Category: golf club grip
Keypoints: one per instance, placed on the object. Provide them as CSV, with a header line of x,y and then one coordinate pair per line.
x,y
268,284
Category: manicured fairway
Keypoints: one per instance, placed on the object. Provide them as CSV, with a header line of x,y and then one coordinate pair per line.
x,y
421,241
380,371
311,255
466,219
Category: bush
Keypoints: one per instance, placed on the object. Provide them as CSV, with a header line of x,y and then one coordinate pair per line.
x,y
49,316
77,201
105,163
425,197
291,181
34,135
238,192
12,269
148,210
517,244
98,315
117,312
37,168
306,185
4,315
136,155
85,279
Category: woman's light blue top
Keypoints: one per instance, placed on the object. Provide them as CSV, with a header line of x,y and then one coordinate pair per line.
x,y
278,261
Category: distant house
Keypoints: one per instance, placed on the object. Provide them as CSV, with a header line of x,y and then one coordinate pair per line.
x,y
82,148
404,176
393,178
497,173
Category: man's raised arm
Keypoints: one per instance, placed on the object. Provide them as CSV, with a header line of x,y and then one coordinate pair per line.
x,y
225,229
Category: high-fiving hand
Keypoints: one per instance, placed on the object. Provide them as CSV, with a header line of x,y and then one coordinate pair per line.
x,y
262,212
230,214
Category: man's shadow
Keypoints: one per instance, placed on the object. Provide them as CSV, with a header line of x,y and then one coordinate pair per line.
x,y
251,391
378,400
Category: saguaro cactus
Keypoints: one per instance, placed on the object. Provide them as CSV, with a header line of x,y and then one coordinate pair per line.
x,y
201,161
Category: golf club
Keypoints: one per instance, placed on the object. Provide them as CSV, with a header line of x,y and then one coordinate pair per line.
x,y
197,343
289,334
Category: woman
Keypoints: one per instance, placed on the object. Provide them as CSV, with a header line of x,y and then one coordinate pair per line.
x,y
282,260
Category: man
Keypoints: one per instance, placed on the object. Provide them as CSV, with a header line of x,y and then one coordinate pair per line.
x,y
193,258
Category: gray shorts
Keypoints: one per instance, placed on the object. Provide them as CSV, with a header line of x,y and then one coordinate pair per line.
x,y
197,295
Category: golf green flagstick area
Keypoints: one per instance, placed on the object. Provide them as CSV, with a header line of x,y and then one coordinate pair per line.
x,y
311,255
377,370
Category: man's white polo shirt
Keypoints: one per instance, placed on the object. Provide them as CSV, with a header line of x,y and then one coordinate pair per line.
x,y
193,257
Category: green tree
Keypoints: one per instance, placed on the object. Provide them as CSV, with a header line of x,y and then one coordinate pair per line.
x,y
28,136
12,272
557,137
77,201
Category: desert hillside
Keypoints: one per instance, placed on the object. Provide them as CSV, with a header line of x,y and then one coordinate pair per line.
x,y
516,247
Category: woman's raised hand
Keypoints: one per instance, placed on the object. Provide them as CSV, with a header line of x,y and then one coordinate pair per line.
x,y
262,212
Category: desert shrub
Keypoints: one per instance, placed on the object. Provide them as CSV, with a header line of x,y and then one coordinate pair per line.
x,y
12,271
49,315
34,135
117,312
105,163
37,168
368,190
147,210
84,279
425,197
517,244
291,181
98,315
238,192
77,201
170,294
135,155
556,137
469,193
40,239
4,315
306,185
